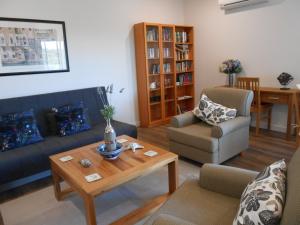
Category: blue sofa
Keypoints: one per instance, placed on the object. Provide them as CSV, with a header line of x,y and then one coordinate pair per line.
x,y
26,164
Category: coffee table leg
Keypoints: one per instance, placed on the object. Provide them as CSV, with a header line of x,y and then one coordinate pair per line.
x,y
173,176
90,210
56,185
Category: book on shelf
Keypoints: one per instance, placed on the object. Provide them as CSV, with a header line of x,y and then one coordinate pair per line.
x,y
167,34
154,69
183,79
182,52
153,53
181,37
183,66
167,68
167,52
152,34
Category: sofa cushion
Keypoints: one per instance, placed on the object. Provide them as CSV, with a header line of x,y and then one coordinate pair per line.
x,y
291,212
199,206
31,159
71,119
197,135
18,129
213,113
263,199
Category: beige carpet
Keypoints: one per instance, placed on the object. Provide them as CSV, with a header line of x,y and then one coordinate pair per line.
x,y
41,207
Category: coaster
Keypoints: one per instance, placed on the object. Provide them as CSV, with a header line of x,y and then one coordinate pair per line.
x,y
66,158
122,140
92,177
151,153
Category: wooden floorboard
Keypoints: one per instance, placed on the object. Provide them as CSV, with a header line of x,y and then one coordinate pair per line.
x,y
264,149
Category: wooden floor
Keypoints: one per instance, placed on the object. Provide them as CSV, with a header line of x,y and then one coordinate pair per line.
x,y
264,149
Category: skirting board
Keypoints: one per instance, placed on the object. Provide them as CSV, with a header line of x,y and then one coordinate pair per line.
x,y
25,180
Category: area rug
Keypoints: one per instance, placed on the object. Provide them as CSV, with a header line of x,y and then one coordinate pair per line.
x,y
41,207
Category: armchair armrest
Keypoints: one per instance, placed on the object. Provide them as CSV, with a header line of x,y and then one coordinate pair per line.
x,y
165,219
225,179
184,119
229,126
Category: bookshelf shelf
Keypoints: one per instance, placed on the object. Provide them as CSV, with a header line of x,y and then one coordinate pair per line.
x,y
155,89
184,99
160,48
183,43
155,103
154,74
184,60
168,87
169,100
188,71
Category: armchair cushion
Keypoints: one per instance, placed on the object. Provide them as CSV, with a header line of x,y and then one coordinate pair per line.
x,y
184,119
212,112
225,180
165,219
197,135
222,129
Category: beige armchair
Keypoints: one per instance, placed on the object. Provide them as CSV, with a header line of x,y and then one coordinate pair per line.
x,y
214,199
196,140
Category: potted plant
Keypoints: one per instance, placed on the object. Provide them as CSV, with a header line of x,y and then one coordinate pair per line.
x,y
231,67
108,112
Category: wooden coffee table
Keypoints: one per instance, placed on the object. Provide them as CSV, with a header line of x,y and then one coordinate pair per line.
x,y
127,167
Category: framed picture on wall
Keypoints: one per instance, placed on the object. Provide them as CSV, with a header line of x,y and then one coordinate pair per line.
x,y
32,46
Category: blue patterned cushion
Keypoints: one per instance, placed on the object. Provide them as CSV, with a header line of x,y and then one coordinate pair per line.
x,y
18,129
71,119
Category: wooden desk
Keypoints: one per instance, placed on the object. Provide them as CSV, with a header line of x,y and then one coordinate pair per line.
x,y
286,97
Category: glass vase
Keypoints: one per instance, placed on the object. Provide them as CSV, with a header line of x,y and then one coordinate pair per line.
x,y
231,79
110,138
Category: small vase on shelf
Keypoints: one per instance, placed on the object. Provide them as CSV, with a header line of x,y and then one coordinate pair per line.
x,y
110,137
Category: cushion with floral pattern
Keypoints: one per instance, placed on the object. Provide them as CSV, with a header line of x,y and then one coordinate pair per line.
x,y
71,119
262,201
18,129
213,113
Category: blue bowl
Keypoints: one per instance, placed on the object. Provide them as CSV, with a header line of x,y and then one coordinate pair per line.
x,y
110,155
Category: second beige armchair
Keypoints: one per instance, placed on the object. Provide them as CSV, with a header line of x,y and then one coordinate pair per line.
x,y
196,140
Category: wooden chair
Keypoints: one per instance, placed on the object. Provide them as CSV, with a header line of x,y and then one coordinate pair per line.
x,y
252,83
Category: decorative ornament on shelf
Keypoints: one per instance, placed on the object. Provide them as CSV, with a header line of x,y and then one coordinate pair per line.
x,y
108,111
231,67
285,79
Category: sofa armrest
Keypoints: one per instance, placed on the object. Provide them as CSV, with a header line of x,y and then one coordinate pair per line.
x,y
184,119
229,126
225,179
165,219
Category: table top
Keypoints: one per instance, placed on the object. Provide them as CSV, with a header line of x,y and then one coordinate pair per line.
x,y
275,90
128,166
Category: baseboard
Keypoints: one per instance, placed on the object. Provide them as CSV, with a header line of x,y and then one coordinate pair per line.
x,y
274,127
25,180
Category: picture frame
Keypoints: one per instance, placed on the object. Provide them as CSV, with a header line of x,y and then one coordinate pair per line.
x,y
30,46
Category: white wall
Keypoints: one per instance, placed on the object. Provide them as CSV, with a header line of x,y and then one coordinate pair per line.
x,y
266,38
100,42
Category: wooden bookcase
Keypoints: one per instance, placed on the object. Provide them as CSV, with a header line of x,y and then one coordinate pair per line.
x,y
165,71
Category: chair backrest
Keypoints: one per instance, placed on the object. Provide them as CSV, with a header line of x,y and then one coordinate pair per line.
x,y
232,98
291,212
250,83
